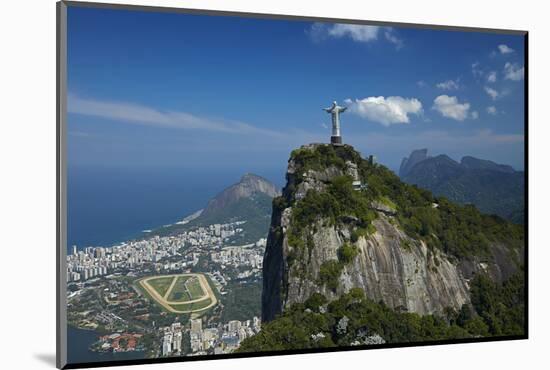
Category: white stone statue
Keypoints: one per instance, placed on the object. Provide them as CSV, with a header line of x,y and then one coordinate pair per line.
x,y
335,111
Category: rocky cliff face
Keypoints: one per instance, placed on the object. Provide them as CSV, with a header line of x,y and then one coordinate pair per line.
x,y
381,259
403,279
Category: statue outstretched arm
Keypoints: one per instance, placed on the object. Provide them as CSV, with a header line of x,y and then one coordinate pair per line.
x,y
329,110
342,110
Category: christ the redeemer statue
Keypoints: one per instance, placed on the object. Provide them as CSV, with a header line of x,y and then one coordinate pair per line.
x,y
335,111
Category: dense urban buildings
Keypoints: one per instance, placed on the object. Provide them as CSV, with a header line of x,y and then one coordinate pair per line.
x,y
132,322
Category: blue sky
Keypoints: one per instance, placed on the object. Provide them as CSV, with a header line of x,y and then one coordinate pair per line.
x,y
158,89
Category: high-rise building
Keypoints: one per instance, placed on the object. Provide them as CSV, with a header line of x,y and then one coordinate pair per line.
x,y
176,342
234,325
210,334
196,325
167,344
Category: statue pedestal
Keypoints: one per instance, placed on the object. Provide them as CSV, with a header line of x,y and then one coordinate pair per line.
x,y
336,140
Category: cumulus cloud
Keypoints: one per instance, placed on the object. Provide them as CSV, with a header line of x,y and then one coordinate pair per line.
x,y
450,107
492,77
421,83
505,49
387,111
492,110
492,92
513,71
356,32
449,85
147,116
475,115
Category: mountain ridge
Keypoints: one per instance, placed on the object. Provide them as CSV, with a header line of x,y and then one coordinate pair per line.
x,y
248,186
393,241
493,188
409,162
247,200
356,257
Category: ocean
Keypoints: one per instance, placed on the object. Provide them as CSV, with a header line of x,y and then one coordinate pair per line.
x,y
111,205
78,342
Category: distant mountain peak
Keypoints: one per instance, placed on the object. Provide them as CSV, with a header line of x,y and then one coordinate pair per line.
x,y
494,188
467,162
250,177
444,158
409,162
249,185
483,164
248,200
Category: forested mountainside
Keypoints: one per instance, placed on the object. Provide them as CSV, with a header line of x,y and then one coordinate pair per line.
x,y
350,241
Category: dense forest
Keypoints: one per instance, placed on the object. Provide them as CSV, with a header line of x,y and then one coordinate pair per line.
x,y
460,231
353,319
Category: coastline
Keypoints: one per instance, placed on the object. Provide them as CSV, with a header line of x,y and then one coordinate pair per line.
x,y
138,235
78,348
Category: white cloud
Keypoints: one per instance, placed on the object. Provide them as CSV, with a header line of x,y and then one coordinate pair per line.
x,y
421,83
505,49
450,107
356,32
147,116
390,35
492,110
476,70
513,72
387,111
475,115
492,92
449,85
492,77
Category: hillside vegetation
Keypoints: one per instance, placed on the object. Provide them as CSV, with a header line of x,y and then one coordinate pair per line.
x,y
338,269
458,230
496,311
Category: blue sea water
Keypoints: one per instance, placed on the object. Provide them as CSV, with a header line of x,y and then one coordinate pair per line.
x,y
108,205
79,342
